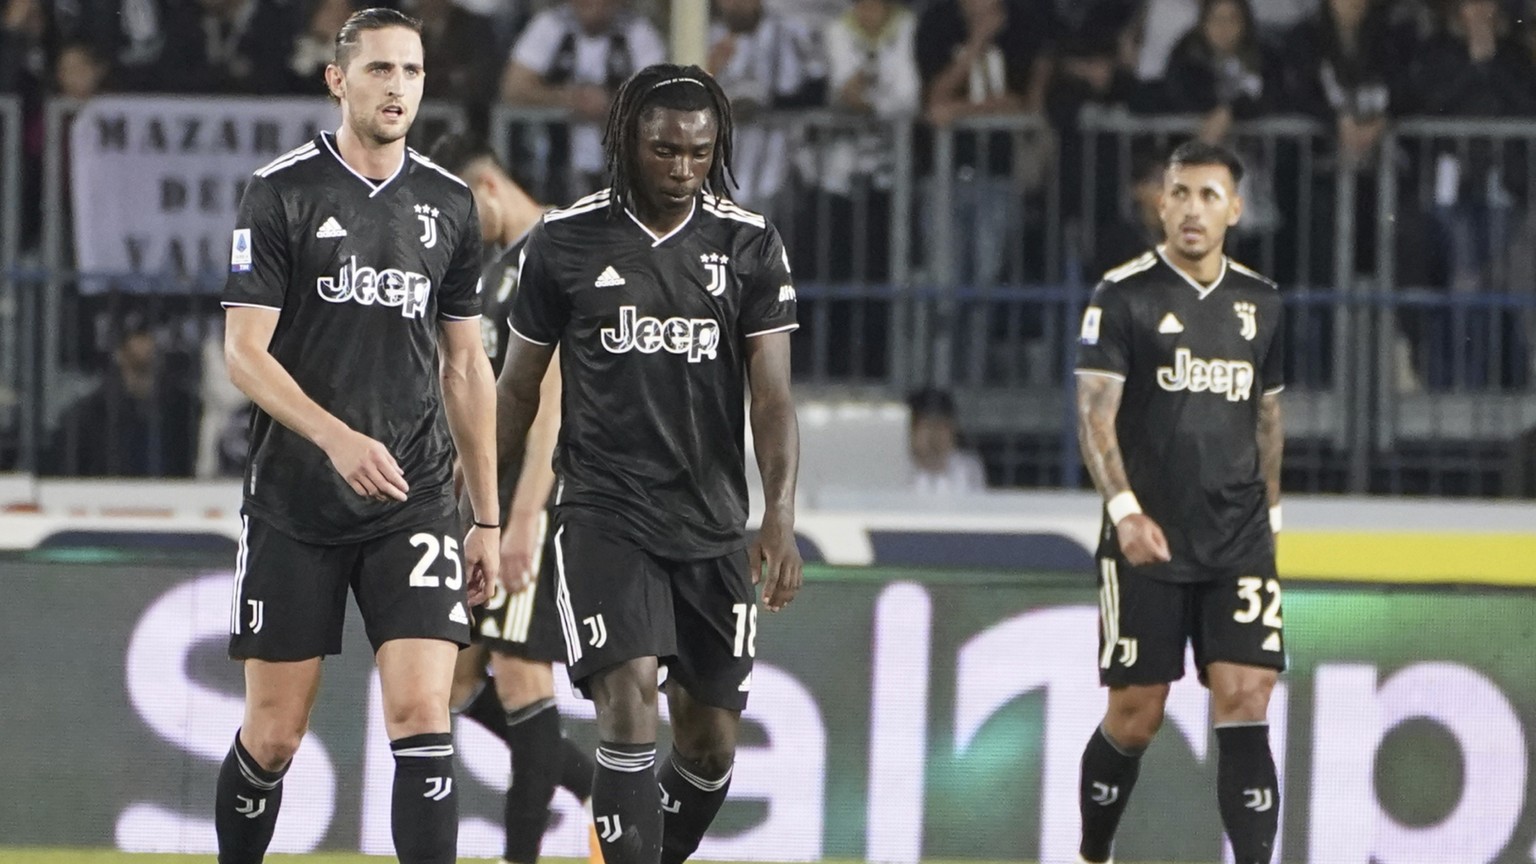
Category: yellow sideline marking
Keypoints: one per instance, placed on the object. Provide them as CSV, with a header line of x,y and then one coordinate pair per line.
x,y
1474,559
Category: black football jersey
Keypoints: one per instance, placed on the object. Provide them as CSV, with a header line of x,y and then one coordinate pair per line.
x,y
362,272
652,334
1195,360
499,281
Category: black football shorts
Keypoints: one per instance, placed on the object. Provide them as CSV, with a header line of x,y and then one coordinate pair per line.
x,y
617,602
1144,624
290,597
525,624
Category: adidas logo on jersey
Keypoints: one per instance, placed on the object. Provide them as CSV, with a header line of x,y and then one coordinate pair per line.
x,y
1170,324
610,278
330,229
458,615
1231,378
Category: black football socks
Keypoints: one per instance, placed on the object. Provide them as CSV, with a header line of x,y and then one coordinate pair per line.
x,y
245,806
626,803
1108,775
533,738
689,802
425,816
1247,791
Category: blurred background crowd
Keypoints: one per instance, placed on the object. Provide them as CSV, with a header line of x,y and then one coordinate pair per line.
x,y
959,145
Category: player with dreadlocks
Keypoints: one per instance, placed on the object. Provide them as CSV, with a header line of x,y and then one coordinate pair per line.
x,y
667,301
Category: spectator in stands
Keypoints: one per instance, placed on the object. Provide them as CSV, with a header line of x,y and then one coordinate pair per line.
x,y
136,423
763,62
575,56
79,71
939,466
129,36
226,46
1343,67
1128,237
462,58
986,58
1163,24
871,73
1221,70
1476,68
314,47
22,59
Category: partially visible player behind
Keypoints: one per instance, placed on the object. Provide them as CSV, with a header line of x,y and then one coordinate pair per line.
x,y
668,302
353,325
519,627
1178,398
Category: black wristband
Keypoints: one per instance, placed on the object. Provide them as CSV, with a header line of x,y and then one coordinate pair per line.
x,y
487,525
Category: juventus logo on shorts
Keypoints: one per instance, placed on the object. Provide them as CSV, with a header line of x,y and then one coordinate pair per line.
x,y
599,630
258,614
715,263
428,216
1248,314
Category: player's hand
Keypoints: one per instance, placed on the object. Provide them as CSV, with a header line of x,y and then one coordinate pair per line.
x,y
774,560
368,467
1141,540
482,561
519,550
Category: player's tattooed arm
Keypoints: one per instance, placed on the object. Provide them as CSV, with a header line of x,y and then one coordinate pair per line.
x,y
1271,436
774,556
1098,403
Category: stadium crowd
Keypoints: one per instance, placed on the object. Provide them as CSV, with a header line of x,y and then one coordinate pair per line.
x,y
1355,65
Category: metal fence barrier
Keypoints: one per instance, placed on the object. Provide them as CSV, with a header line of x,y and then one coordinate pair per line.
x,y
962,257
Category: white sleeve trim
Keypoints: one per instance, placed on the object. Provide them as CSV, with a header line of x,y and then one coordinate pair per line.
x,y
526,339
1102,373
785,329
459,317
228,304
1273,390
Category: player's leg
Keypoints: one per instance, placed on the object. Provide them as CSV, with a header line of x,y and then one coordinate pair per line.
x,y
707,686
696,775
1142,632
415,676
1241,650
615,612
474,695
410,589
526,690
287,612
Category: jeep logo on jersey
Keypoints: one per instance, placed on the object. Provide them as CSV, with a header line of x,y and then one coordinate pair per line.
x,y
699,338
367,286
1233,378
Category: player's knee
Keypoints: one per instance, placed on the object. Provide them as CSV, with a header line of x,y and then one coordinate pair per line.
x,y
1133,723
415,717
1243,699
714,758
273,744
626,703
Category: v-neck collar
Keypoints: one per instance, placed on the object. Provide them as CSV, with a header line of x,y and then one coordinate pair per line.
x,y
330,144
1204,291
658,240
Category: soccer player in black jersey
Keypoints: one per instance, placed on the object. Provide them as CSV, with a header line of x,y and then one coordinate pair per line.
x,y
518,630
667,302
353,325
1178,398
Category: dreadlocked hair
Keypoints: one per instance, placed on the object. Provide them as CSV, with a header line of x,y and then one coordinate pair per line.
x,y
665,85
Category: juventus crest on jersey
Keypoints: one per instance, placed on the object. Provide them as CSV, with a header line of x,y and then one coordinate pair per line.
x,y
1195,360
361,272
647,324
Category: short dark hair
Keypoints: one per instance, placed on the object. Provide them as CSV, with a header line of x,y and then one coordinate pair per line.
x,y
377,18
931,402
1201,153
456,151
665,85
